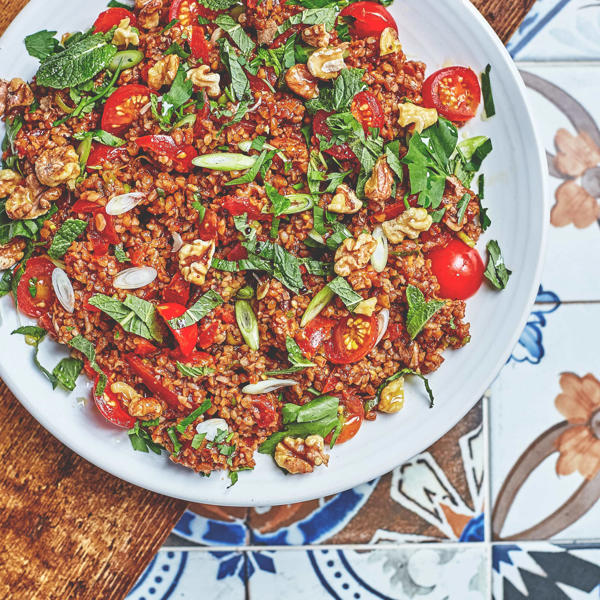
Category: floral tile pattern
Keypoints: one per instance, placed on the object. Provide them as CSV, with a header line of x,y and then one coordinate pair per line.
x,y
545,571
536,433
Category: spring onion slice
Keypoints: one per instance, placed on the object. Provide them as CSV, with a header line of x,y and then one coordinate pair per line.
x,y
299,203
248,324
379,258
225,161
316,305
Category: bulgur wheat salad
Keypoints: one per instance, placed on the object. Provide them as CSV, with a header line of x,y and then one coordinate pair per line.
x,y
249,223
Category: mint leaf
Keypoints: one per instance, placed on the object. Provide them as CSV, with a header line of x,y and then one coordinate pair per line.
x,y
190,371
419,311
298,361
496,272
339,97
36,335
177,50
344,290
240,85
41,44
236,33
280,203
205,304
486,91
218,4
69,231
67,371
80,62
312,16
29,228
180,92
87,349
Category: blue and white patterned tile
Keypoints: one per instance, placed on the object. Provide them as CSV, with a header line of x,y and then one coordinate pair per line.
x,y
567,113
544,571
539,492
557,30
434,572
189,575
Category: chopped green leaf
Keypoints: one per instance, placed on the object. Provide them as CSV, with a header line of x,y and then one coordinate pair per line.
x,y
241,39
280,203
397,375
67,371
42,44
339,97
177,50
205,304
486,90
120,254
461,208
312,16
419,311
185,423
69,231
193,371
197,441
344,290
496,272
87,349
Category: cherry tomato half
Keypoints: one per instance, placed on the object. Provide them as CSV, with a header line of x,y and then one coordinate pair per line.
x,y
35,293
123,107
111,18
188,11
177,291
103,232
151,380
164,145
367,111
264,412
368,19
458,268
353,338
109,406
353,412
454,92
311,337
187,337
207,230
320,127
238,206
100,154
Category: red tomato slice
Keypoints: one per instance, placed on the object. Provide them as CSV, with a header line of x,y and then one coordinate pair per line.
x,y
331,382
454,92
207,230
264,412
198,44
151,380
353,338
187,337
238,252
311,337
102,232
164,145
35,293
458,268
368,19
353,414
100,154
238,206
207,334
144,347
110,408
367,111
320,127
188,11
86,207
225,314
123,107
111,18
177,291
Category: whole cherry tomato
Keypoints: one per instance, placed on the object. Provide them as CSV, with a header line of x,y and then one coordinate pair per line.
x,y
353,413
207,334
177,291
264,412
311,337
100,154
111,18
109,406
164,145
367,111
454,92
186,337
198,44
458,268
320,127
151,380
353,338
369,19
35,293
123,107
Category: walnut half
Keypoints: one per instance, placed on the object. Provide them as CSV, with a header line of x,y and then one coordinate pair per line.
x,y
411,223
379,186
203,78
354,254
326,63
58,165
345,201
14,93
316,36
296,455
195,259
11,253
301,82
420,117
163,72
30,200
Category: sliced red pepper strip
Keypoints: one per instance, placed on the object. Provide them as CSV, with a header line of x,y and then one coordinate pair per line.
x,y
151,380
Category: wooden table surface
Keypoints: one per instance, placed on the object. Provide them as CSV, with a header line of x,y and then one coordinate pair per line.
x,y
67,529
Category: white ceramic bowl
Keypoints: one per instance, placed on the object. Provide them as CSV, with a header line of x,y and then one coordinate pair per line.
x,y
438,33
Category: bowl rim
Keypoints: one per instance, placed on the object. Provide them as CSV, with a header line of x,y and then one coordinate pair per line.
x,y
115,468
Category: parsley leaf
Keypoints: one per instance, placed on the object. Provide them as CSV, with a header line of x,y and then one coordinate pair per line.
x,y
69,231
419,311
42,44
496,272
205,304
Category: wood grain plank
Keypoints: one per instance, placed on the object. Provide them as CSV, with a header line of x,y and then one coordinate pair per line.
x,y
67,529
